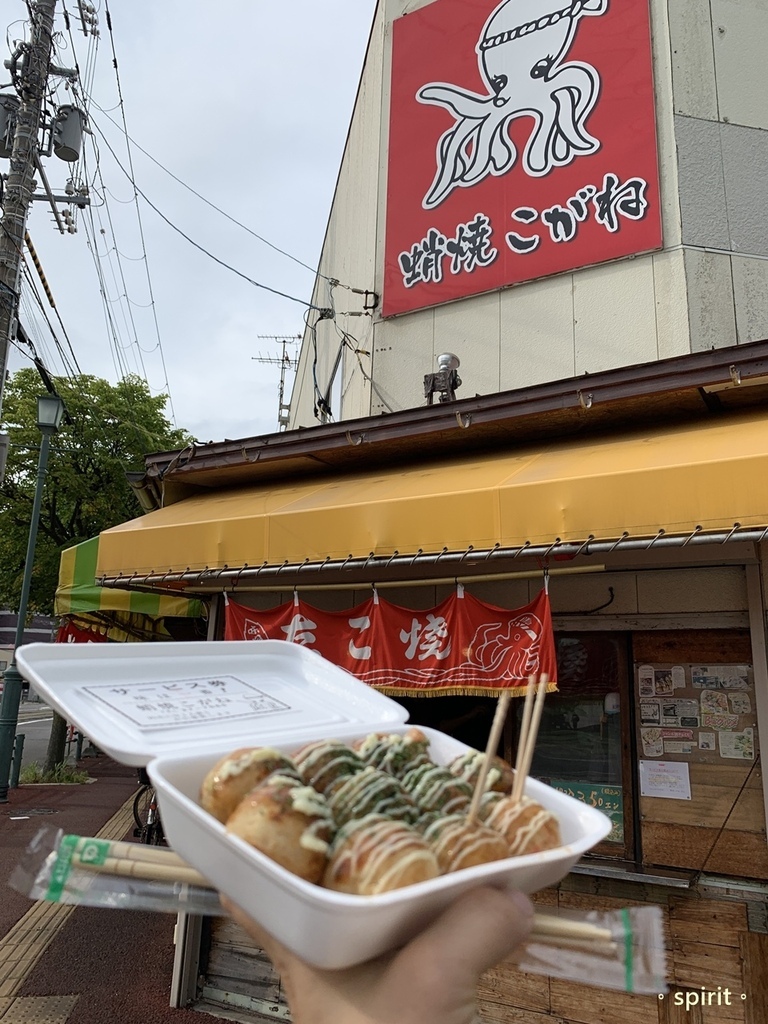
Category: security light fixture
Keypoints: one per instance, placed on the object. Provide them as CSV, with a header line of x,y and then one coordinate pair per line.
x,y
445,382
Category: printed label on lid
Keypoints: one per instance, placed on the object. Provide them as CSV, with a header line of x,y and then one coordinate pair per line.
x,y
156,705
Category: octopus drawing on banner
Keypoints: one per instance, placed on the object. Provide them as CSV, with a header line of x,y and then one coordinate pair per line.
x,y
254,631
498,653
521,55
511,653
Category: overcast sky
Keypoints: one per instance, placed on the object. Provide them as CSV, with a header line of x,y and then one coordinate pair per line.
x,y
248,103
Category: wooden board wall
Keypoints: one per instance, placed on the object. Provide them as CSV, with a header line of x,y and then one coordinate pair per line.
x,y
709,951
717,969
236,966
721,829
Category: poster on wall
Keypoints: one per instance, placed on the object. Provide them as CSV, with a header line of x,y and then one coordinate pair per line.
x,y
669,780
522,143
728,677
701,713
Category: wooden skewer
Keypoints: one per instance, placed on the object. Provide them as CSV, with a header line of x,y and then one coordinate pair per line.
x,y
493,742
527,740
564,933
525,719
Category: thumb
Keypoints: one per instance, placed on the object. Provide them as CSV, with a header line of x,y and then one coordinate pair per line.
x,y
475,933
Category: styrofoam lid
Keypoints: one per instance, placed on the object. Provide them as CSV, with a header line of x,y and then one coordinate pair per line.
x,y
138,701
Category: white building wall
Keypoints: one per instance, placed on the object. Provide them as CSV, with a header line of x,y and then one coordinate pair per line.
x,y
348,256
707,288
721,130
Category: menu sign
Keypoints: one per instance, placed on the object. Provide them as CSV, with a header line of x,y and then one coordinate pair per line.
x,y
608,799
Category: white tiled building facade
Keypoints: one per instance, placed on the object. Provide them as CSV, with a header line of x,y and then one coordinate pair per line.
x,y
706,288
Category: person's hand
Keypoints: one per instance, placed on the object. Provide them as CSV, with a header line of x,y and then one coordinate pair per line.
x,y
432,980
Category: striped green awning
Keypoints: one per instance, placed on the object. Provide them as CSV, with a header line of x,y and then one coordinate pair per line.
x,y
79,594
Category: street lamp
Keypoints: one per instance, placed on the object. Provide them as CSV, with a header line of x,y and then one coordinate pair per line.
x,y
50,411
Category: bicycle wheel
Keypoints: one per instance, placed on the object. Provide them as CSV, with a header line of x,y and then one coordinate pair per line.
x,y
141,804
149,828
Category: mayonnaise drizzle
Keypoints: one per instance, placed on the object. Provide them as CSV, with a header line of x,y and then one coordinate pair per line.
x,y
313,805
456,843
371,792
381,855
435,788
325,762
469,765
236,766
505,815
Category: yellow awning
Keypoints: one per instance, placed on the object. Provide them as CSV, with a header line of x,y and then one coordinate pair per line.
x,y
122,615
674,480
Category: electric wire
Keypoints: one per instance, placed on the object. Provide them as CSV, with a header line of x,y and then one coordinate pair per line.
x,y
80,172
51,303
138,211
31,285
357,351
130,323
218,209
70,371
105,264
91,236
120,285
23,263
196,245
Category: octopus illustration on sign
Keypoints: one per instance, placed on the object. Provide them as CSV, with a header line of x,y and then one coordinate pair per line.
x,y
521,54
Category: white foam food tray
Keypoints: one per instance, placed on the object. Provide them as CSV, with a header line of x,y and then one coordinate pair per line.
x,y
179,707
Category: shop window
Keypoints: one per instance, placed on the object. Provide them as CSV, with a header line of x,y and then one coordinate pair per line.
x,y
583,744
584,737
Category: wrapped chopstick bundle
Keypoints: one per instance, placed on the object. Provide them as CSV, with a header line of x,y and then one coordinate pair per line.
x,y
622,949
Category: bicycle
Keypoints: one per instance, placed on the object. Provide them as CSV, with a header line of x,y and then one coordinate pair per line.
x,y
146,814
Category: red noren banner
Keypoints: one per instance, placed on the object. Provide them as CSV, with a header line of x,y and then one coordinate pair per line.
x,y
461,647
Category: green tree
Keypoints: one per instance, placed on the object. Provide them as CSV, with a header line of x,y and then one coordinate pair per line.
x,y
107,431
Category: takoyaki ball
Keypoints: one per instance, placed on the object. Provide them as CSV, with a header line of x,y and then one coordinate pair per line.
x,y
237,774
375,855
467,766
395,753
458,843
371,792
289,822
526,825
326,764
425,819
434,788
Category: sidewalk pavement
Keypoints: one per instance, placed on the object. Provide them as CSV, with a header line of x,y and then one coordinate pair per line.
x,y
80,965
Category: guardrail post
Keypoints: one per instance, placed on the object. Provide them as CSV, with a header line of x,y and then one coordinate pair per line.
x,y
18,750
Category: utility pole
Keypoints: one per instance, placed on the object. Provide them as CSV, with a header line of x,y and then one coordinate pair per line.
x,y
285,362
29,68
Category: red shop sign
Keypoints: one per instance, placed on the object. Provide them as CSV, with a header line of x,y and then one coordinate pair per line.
x,y
522,143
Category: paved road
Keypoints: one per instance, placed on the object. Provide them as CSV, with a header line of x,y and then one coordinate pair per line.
x,y
35,724
81,965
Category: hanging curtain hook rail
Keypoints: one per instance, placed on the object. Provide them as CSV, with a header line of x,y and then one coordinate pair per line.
x,y
387,564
